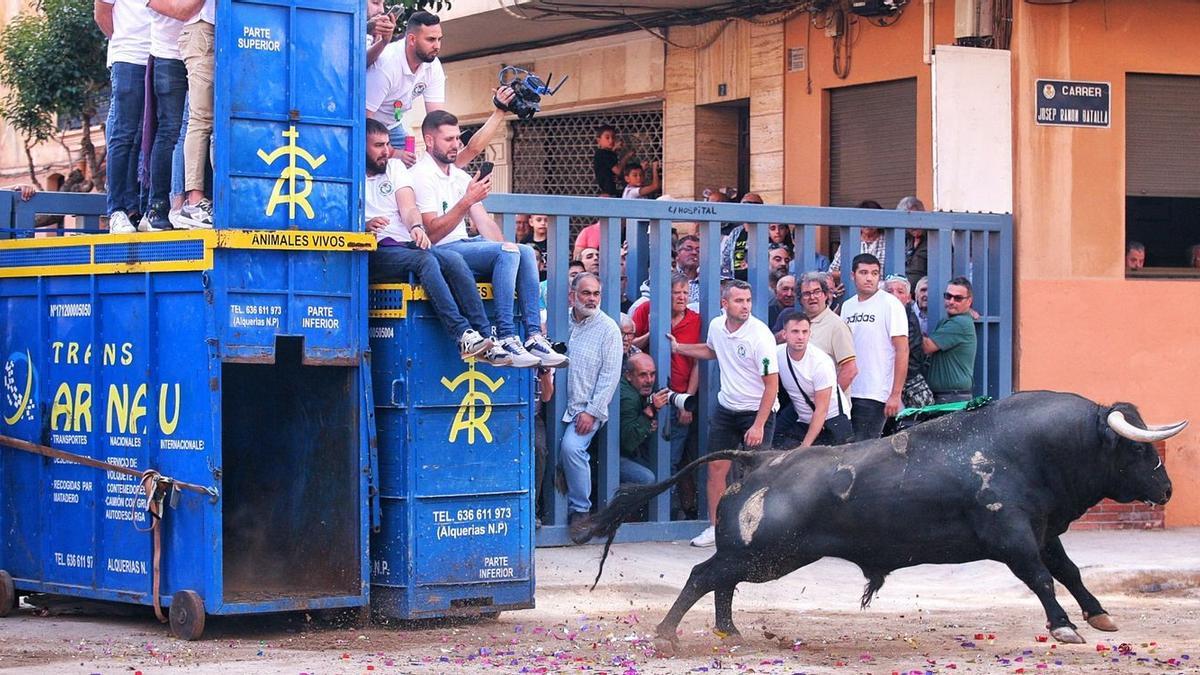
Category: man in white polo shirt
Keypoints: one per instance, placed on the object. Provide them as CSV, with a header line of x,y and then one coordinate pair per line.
x,y
405,71
745,413
880,328
445,196
819,413
126,23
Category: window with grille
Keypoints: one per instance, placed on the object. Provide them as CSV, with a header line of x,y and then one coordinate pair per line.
x,y
552,154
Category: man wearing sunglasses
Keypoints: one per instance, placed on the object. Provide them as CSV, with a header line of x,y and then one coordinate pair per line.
x,y
951,346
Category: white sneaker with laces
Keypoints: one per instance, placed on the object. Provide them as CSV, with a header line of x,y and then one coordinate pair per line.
x,y
540,347
118,223
517,354
706,538
173,216
196,216
497,356
472,344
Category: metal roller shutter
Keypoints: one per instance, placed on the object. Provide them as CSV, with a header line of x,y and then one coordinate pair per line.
x,y
873,143
1162,136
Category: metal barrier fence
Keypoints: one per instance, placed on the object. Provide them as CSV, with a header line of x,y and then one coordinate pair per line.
x,y
976,246
18,217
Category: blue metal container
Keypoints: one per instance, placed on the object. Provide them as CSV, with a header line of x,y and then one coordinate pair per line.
x,y
215,362
235,359
455,469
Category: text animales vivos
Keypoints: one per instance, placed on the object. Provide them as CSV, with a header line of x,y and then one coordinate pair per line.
x,y
1001,482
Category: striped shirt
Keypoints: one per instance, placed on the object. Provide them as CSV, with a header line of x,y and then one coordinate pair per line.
x,y
596,350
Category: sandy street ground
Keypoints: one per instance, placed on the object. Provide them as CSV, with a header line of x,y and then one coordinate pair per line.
x,y
974,618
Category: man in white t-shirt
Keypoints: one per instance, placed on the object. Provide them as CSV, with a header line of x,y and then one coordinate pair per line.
x,y
126,23
169,90
196,48
880,328
809,377
745,412
445,196
405,71
404,248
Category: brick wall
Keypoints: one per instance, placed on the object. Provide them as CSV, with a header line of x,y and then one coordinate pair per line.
x,y
1109,515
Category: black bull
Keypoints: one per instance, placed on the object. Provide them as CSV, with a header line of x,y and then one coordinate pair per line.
x,y
1000,483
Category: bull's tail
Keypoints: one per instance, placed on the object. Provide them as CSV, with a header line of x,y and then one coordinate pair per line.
x,y
629,499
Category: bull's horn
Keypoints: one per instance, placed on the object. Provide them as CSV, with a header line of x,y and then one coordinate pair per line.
x,y
1116,420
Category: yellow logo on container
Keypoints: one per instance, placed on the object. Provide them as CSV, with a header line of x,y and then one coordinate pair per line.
x,y
475,407
290,173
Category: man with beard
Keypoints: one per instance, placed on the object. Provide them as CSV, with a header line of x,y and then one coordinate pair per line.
x,y
410,69
745,413
404,248
445,196
595,343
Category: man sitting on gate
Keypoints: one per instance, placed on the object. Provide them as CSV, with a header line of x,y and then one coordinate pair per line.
x,y
445,196
404,248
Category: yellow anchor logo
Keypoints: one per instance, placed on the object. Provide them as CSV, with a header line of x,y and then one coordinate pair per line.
x,y
476,405
289,175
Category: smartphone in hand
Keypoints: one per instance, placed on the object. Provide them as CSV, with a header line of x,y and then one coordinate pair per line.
x,y
485,170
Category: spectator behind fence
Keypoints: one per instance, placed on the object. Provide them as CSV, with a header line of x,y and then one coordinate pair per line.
x,y
445,195
595,346
404,248
809,377
778,258
952,346
916,244
590,257
539,227
639,418
1193,256
543,392
169,88
916,393
734,244
126,24
628,333
745,412
636,185
784,298
920,304
870,241
828,332
1135,256
608,161
685,371
687,263
782,235
880,328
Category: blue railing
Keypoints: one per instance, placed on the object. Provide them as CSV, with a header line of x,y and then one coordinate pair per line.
x,y
976,246
18,217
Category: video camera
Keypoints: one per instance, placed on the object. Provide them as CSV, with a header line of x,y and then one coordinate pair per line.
x,y
528,90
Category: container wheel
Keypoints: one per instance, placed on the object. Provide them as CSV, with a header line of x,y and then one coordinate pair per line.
x,y
8,594
187,615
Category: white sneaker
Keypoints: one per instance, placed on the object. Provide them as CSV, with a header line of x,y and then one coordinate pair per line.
x,y
497,356
472,344
518,356
706,538
118,223
540,347
196,216
173,216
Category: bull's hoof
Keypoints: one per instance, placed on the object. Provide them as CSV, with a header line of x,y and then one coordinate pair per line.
x,y
665,647
1102,622
1067,635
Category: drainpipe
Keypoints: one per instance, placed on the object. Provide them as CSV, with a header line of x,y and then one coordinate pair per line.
x,y
928,55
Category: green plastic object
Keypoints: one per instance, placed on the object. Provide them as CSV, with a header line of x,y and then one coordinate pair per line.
x,y
940,409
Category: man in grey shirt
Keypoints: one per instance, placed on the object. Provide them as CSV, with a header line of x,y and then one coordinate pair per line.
x,y
595,348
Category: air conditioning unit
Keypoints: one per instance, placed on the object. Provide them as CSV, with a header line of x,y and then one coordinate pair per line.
x,y
876,7
972,19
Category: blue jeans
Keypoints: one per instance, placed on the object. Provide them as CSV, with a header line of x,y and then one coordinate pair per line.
x,y
177,155
170,90
573,451
867,418
512,267
678,438
438,272
633,471
396,136
123,135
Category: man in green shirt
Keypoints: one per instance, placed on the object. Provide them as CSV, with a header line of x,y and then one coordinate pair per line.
x,y
951,346
639,417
